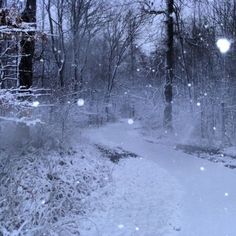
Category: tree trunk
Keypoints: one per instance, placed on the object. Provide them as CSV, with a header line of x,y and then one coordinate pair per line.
x,y
169,66
27,47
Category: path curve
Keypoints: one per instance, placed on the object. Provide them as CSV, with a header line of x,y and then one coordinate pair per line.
x,y
209,198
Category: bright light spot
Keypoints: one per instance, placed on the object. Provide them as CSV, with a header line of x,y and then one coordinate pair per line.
x,y
226,194
223,44
41,60
80,102
189,85
130,121
198,104
35,104
43,202
214,128
138,70
202,168
137,228
205,94
121,226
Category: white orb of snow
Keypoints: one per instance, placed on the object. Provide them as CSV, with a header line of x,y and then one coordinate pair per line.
x,y
137,228
223,45
43,202
226,194
121,226
35,104
80,102
202,168
189,85
198,104
130,121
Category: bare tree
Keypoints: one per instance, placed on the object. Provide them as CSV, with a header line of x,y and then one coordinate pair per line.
x,y
147,7
57,33
169,65
28,45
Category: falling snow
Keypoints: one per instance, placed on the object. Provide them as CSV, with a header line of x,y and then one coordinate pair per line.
x,y
80,102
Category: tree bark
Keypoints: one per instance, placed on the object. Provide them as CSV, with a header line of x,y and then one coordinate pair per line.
x,y
169,66
27,47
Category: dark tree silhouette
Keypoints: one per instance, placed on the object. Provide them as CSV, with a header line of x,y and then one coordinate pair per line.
x,y
169,65
27,46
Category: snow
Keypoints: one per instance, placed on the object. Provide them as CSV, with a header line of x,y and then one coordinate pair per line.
x,y
205,210
145,201
223,44
130,121
23,120
47,193
80,102
35,104
231,151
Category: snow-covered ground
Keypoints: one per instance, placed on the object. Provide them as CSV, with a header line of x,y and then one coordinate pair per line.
x,y
147,191
144,201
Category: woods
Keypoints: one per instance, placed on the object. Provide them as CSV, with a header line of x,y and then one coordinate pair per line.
x,y
88,87
103,51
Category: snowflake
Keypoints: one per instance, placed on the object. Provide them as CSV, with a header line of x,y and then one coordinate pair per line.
x,y
130,121
223,44
202,168
80,102
35,104
121,226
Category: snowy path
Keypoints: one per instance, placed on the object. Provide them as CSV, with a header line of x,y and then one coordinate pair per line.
x,y
209,190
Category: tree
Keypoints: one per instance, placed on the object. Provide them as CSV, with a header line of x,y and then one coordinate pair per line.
x,y
169,66
27,45
148,8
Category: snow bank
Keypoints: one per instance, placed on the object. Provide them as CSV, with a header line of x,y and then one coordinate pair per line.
x,y
49,193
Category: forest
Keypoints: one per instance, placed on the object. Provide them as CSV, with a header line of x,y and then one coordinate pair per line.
x,y
92,92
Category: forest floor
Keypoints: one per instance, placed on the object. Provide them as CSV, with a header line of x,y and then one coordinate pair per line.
x,y
158,190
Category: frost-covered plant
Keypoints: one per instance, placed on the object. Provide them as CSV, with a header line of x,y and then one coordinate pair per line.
x,y
16,107
48,193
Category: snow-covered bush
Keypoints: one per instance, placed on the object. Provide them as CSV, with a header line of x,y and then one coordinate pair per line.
x,y
17,114
48,193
